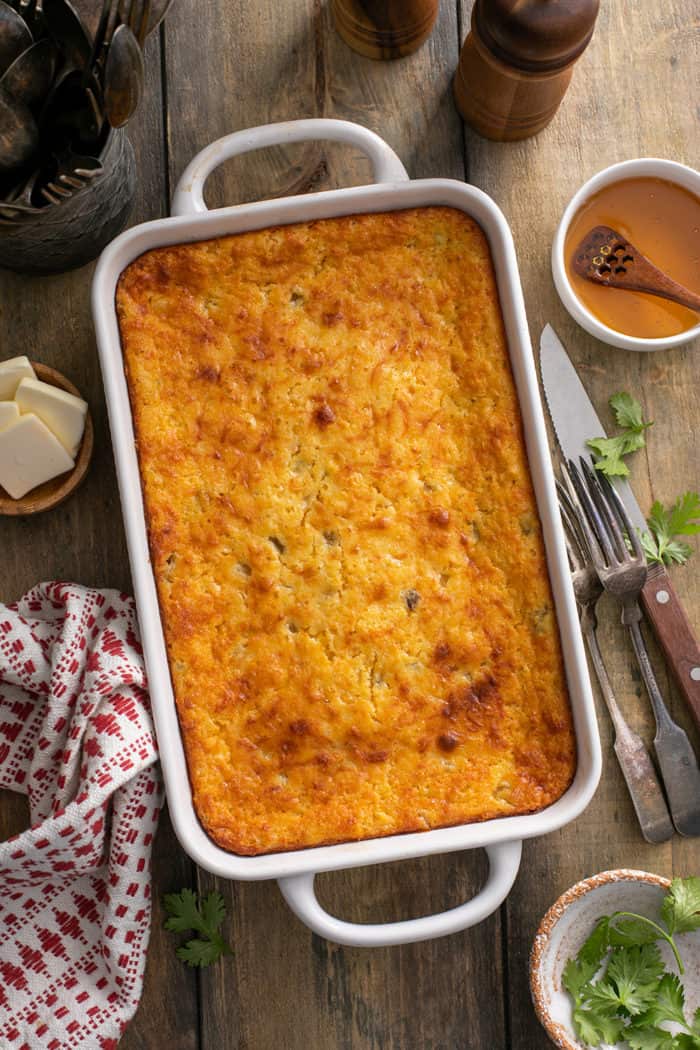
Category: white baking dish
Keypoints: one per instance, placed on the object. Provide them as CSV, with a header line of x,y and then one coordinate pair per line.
x,y
295,870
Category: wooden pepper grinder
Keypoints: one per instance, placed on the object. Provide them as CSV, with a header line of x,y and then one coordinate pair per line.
x,y
517,61
385,28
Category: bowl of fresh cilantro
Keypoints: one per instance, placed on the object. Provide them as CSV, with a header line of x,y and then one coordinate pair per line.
x,y
616,963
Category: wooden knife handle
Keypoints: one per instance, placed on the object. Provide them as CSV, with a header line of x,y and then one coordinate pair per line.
x,y
675,633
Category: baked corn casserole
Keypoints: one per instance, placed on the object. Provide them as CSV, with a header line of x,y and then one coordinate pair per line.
x,y
343,531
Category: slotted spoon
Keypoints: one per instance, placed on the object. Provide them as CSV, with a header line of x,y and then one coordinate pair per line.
x,y
606,257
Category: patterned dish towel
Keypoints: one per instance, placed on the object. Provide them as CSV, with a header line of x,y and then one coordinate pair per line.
x,y
75,736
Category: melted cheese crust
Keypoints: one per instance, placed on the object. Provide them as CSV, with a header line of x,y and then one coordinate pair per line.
x,y
343,531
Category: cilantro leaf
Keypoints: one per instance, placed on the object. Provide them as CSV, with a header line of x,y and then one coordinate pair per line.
x,y
683,514
626,930
188,911
593,1029
628,412
660,542
604,999
580,970
633,975
597,944
650,1039
672,552
668,1003
213,908
586,1028
198,952
612,1029
687,1042
695,1027
610,450
681,907
628,415
182,909
575,977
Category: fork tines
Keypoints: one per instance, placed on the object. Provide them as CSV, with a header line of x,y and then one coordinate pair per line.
x,y
611,536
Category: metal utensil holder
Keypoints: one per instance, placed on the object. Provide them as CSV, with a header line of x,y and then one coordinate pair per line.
x,y
70,234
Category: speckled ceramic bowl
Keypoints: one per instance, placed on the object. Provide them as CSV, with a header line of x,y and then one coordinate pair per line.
x,y
568,923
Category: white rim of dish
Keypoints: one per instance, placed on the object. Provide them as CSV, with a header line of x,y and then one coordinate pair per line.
x,y
559,1036
655,167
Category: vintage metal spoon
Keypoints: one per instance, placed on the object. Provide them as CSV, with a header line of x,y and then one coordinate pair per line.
x,y
31,74
19,135
66,25
605,257
73,172
72,110
123,77
15,36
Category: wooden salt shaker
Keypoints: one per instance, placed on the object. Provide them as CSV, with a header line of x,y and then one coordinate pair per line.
x,y
385,28
517,61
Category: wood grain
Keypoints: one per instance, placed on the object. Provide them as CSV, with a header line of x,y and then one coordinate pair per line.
x,y
384,29
49,319
613,111
501,102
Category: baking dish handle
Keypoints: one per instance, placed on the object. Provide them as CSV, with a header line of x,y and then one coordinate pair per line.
x,y
504,861
189,192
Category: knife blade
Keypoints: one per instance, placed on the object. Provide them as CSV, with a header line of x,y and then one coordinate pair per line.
x,y
575,421
573,416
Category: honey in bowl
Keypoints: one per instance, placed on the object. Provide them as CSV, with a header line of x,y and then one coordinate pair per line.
x,y
662,219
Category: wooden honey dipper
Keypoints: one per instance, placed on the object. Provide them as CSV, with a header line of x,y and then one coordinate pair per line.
x,y
605,257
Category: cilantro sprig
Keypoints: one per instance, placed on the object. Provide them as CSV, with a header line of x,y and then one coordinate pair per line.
x,y
621,992
610,451
660,543
203,915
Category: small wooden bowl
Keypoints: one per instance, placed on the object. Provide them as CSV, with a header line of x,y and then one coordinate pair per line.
x,y
53,492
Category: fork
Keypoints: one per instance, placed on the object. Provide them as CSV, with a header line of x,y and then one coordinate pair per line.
x,y
73,174
636,765
622,569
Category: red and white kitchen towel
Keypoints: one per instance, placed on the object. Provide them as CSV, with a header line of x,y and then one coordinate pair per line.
x,y
76,737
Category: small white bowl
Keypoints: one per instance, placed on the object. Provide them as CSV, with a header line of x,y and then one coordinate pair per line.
x,y
628,169
569,922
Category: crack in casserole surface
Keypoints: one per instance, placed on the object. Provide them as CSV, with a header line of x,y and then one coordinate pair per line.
x,y
344,535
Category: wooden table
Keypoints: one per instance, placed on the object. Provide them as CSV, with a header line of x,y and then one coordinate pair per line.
x,y
220,65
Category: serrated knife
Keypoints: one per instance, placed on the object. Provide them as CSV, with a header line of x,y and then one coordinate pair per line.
x,y
575,421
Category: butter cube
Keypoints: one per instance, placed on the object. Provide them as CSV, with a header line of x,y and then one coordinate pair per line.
x,y
30,455
62,412
11,371
8,413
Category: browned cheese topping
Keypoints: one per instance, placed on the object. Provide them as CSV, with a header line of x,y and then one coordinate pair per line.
x,y
343,530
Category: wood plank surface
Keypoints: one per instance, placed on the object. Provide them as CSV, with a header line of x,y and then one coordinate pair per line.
x,y
83,540
615,109
238,65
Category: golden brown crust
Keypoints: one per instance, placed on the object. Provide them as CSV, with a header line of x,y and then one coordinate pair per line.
x,y
343,531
